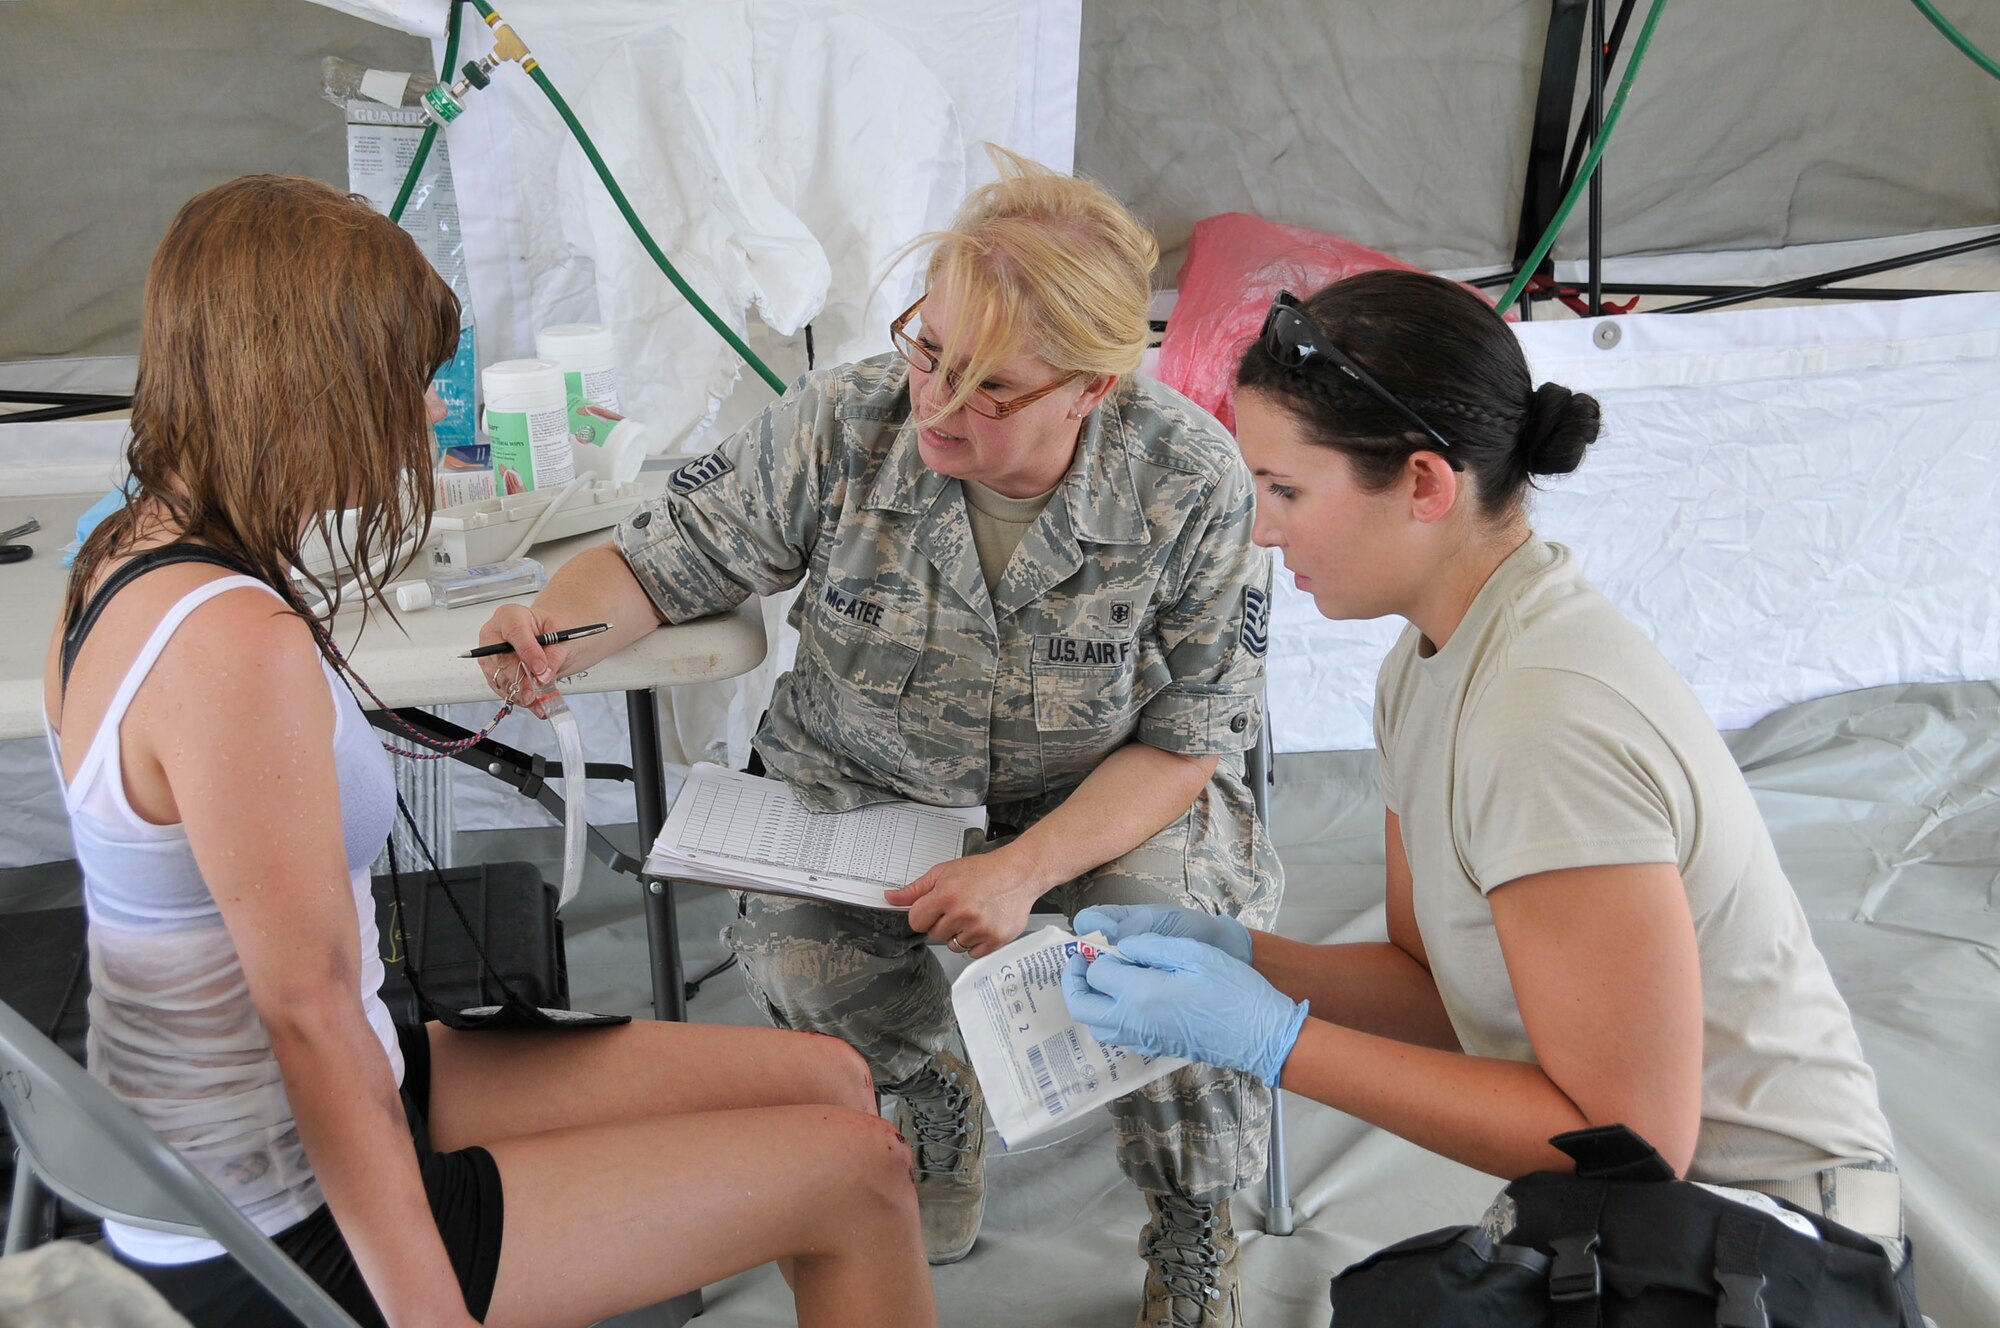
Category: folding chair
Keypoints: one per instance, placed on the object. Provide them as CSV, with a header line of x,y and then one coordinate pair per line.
x,y
1257,773
80,1141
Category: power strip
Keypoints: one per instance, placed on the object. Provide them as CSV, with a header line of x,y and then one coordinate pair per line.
x,y
473,534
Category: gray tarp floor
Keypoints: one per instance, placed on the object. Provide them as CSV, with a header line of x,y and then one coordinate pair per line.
x,y
1886,809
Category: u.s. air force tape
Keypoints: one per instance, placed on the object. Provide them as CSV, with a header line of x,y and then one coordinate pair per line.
x,y
699,472
1256,621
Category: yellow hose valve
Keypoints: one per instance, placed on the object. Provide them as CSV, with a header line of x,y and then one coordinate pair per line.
x,y
507,45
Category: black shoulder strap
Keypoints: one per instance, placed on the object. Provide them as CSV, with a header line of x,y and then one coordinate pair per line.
x,y
1576,1278
1738,1279
134,568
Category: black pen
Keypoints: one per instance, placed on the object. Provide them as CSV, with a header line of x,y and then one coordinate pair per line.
x,y
543,638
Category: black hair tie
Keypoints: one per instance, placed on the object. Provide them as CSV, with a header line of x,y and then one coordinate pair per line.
x,y
1546,408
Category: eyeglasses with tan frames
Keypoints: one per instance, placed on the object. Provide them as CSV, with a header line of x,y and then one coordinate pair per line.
x,y
981,401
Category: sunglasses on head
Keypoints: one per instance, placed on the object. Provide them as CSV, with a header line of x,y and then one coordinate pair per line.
x,y
1290,338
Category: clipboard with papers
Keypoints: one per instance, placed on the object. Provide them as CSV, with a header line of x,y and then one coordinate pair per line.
x,y
751,833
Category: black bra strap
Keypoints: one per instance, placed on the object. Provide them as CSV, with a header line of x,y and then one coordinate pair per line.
x,y
136,567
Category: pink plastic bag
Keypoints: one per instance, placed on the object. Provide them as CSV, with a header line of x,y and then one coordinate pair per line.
x,y
1235,264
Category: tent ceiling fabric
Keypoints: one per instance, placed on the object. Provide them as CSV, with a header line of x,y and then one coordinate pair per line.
x,y
117,112
1405,126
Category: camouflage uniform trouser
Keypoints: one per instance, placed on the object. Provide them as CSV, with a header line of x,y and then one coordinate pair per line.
x,y
865,977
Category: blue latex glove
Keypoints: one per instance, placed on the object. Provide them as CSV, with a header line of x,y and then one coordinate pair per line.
x,y
86,523
1117,921
1167,995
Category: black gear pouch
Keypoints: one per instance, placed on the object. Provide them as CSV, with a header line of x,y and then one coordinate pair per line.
x,y
1620,1243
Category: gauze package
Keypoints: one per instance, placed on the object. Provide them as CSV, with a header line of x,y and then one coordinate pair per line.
x,y
1039,1067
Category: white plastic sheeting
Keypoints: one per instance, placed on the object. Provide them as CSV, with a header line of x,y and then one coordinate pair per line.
x,y
426,18
1791,502
780,151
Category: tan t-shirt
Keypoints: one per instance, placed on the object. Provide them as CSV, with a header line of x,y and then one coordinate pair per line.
x,y
998,523
1549,733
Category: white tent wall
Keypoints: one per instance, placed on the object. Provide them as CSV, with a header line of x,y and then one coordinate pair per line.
x,y
1790,502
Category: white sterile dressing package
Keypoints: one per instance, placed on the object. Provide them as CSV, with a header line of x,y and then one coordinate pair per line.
x,y
1039,1067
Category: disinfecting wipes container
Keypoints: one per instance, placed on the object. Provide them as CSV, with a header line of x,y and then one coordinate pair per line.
x,y
590,377
1038,1067
527,421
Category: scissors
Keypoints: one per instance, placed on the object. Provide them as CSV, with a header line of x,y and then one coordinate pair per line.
x,y
17,553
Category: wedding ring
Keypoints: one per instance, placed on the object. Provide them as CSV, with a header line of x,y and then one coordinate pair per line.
x,y
954,946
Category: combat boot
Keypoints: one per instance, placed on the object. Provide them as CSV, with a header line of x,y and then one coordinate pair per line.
x,y
942,1115
1193,1265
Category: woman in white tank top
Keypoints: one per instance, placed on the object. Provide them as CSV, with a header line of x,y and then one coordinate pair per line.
x,y
228,798
1587,921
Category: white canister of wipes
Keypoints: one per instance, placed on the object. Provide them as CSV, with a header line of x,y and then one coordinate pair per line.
x,y
527,422
590,377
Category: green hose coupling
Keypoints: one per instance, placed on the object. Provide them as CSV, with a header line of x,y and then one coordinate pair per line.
x,y
443,103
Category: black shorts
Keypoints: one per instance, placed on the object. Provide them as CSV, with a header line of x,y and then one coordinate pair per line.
x,y
464,1192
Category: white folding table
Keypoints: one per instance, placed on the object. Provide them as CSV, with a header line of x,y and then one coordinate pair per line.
x,y
413,665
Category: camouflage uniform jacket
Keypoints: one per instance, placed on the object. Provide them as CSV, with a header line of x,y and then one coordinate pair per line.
x,y
1135,606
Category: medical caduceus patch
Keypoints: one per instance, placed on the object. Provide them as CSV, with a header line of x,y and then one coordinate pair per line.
x,y
1256,620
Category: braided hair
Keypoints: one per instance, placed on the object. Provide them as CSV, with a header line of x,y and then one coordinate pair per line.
x,y
1449,357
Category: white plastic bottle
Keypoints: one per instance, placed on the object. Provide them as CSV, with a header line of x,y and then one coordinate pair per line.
x,y
472,585
527,423
590,377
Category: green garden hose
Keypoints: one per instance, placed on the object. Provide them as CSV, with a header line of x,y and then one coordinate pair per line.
x,y
534,71
1957,38
1521,277
430,129
1589,167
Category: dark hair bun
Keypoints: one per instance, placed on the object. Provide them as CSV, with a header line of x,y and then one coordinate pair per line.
x,y
1560,425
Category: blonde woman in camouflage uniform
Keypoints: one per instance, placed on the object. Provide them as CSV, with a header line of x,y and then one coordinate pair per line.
x,y
1029,583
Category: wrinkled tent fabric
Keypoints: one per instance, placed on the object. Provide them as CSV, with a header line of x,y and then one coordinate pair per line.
x,y
1406,127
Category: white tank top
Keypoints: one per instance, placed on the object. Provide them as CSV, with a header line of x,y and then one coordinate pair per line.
x,y
172,1028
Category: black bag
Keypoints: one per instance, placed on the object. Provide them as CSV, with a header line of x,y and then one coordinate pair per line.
x,y
503,970
1622,1244
513,921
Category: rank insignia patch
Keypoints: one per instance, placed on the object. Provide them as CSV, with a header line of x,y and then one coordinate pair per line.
x,y
700,472
1256,621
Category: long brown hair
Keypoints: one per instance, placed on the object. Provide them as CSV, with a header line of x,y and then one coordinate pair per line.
x,y
290,332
